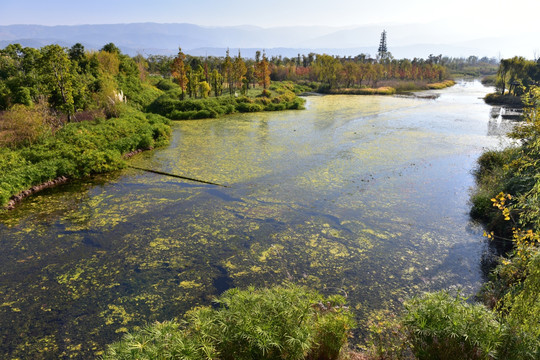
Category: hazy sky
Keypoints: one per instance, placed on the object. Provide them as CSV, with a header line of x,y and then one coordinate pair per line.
x,y
478,16
493,27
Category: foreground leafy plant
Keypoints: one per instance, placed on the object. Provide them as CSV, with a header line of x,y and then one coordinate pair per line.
x,y
283,322
441,326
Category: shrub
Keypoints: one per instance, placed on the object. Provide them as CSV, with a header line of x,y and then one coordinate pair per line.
x,y
170,106
249,107
507,99
296,104
441,326
166,84
492,177
385,90
522,310
441,85
80,149
283,322
266,93
161,341
275,107
23,125
331,331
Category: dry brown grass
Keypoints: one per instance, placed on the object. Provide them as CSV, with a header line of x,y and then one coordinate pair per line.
x,y
384,90
24,125
441,85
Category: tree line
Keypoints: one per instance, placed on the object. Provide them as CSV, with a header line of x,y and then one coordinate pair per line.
x,y
517,75
198,77
330,71
69,80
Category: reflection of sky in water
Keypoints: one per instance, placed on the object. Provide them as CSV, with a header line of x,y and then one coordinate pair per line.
x,y
365,194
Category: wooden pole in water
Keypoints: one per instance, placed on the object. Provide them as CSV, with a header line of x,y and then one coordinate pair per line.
x,y
176,176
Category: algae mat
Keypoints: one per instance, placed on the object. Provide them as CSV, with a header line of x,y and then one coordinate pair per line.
x,y
362,195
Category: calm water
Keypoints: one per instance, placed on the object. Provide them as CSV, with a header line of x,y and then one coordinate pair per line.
x,y
367,195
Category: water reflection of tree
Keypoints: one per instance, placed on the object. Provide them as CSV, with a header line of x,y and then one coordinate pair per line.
x,y
263,131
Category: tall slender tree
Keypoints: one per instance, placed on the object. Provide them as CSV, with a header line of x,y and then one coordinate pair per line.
x,y
383,49
263,72
216,81
57,71
239,71
178,71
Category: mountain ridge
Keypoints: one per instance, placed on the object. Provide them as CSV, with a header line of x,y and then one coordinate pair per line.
x,y
415,40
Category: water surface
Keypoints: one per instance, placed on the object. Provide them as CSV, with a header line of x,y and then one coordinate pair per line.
x,y
356,194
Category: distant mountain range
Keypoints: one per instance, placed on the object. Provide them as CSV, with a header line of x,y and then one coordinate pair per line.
x,y
417,40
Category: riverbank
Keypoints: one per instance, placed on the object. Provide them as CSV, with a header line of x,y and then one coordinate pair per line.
x,y
280,96
78,150
92,147
506,200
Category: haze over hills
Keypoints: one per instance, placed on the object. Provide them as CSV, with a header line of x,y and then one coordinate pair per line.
x,y
409,41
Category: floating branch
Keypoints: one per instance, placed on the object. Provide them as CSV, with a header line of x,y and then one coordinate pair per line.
x,y
176,176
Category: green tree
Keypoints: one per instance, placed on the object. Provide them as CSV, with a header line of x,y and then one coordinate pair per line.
x,y
239,71
142,66
382,52
111,48
76,52
327,69
203,88
57,73
217,81
20,76
350,71
227,72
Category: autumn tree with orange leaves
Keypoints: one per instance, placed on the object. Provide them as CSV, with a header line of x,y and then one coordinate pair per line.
x,y
262,72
